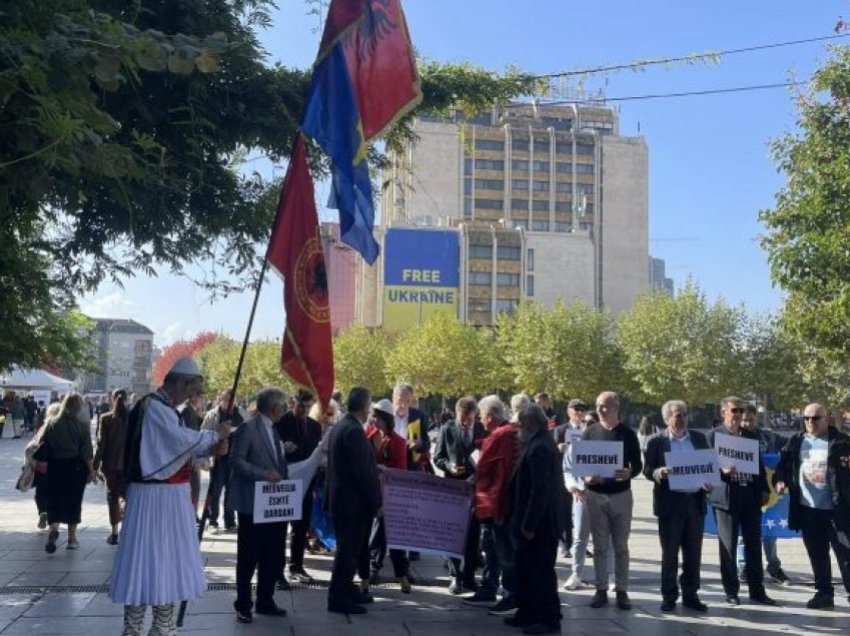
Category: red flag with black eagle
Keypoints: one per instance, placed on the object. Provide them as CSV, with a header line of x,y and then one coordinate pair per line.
x,y
296,252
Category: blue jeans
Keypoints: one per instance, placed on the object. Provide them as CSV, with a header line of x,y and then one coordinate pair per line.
x,y
774,565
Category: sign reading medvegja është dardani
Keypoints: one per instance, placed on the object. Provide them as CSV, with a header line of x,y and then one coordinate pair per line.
x,y
277,501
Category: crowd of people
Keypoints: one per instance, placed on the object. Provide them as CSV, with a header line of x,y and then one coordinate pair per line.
x,y
527,500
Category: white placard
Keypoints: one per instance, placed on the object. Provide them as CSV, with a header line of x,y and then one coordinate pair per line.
x,y
596,459
691,470
738,452
277,501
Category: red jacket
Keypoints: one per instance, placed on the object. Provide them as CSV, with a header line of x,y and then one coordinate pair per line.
x,y
390,451
499,452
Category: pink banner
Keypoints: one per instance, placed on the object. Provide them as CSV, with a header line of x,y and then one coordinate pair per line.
x,y
425,513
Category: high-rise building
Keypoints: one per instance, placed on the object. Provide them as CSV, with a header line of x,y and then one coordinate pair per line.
x,y
124,356
658,275
341,263
548,202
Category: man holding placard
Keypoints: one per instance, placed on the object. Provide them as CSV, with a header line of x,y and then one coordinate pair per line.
x,y
683,468
608,465
737,502
257,457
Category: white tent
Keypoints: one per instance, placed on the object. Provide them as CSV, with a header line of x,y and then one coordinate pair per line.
x,y
18,378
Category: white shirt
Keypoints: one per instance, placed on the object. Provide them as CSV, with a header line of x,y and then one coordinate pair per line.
x,y
401,425
268,427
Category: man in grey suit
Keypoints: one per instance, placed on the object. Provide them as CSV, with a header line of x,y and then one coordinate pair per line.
x,y
256,455
353,497
681,514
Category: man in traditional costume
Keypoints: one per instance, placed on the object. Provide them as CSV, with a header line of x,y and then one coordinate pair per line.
x,y
158,562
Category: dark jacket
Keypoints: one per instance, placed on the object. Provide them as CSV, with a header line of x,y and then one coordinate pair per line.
x,y
252,456
664,500
306,435
539,494
788,472
352,490
720,496
452,450
839,462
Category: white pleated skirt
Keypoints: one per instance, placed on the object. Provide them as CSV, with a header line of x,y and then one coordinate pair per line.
x,y
158,559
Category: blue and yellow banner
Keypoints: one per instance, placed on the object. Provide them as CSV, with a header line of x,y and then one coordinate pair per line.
x,y
421,276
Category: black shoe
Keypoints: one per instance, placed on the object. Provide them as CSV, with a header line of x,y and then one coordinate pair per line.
x,y
244,617
540,628
779,577
733,599
600,599
351,608
112,539
623,601
668,605
515,621
270,610
505,607
300,576
362,597
50,547
819,601
283,584
480,597
763,599
693,603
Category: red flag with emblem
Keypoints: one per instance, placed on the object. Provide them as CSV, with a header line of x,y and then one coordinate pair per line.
x,y
295,251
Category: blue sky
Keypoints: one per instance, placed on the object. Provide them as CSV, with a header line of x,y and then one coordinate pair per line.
x,y
710,166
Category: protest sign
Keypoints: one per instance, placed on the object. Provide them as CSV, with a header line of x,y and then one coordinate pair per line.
x,y
596,459
691,470
425,513
738,452
277,501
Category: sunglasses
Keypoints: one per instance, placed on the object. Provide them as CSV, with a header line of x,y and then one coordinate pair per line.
x,y
737,411
589,420
813,418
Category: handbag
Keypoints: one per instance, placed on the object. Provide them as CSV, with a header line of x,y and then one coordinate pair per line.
x,y
26,479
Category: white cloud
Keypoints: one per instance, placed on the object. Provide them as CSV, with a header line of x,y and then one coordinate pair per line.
x,y
113,305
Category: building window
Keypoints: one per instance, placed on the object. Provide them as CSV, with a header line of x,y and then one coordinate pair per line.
x,y
584,188
541,186
564,147
504,305
479,306
467,186
564,186
540,206
529,261
480,278
529,285
489,164
519,184
490,204
507,253
519,164
467,166
467,208
489,144
490,184
557,123
563,167
481,251
541,166
584,149
519,204
541,145
523,223
511,280
519,144
540,225
561,226
584,168
563,206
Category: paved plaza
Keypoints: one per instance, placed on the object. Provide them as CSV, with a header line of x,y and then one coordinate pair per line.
x,y
65,593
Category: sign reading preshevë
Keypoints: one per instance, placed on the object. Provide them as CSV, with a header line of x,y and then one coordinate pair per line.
x,y
425,513
596,459
421,276
738,452
277,501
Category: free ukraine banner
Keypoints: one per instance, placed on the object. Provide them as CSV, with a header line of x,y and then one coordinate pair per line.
x,y
364,80
774,516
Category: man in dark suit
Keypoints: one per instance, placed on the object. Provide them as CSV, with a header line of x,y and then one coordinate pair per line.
x,y
737,509
537,520
256,455
353,497
459,438
301,435
681,514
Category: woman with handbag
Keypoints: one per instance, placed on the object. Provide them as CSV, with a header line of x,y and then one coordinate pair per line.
x,y
69,457
35,459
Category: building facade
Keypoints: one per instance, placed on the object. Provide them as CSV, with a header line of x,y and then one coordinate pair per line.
x,y
124,356
549,201
341,264
658,276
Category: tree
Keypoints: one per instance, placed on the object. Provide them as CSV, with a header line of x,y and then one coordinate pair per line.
x,y
808,228
682,347
260,369
444,357
180,349
359,359
771,360
122,130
